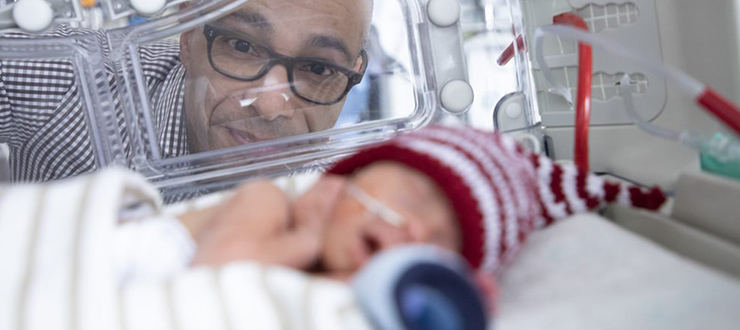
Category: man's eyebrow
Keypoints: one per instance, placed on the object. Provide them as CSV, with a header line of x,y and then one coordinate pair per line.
x,y
324,41
252,18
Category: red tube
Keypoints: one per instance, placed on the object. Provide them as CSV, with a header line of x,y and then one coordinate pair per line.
x,y
508,53
721,108
583,99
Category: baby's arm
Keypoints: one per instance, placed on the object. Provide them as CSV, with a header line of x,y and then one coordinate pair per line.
x,y
260,223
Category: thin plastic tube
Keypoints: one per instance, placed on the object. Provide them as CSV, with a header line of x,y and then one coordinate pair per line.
x,y
509,52
539,39
625,89
687,138
690,85
721,107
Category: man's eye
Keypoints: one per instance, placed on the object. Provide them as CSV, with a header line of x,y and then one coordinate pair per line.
x,y
241,45
319,69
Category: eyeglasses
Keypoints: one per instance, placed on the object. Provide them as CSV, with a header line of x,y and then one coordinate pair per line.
x,y
240,57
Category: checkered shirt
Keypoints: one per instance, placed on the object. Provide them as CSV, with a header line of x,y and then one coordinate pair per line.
x,y
43,121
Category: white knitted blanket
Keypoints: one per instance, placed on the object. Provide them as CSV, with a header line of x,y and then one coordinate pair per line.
x,y
59,271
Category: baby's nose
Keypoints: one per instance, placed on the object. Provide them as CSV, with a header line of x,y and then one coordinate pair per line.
x,y
382,235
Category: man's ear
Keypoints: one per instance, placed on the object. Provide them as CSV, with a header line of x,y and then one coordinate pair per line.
x,y
185,39
185,47
361,62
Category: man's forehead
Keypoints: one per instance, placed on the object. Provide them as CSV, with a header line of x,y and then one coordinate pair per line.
x,y
325,24
306,14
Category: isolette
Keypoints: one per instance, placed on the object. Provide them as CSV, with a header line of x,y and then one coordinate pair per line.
x,y
414,73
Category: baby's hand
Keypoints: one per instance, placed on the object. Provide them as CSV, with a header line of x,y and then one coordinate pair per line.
x,y
259,224
316,205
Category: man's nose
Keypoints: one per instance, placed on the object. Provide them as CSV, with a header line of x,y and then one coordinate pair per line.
x,y
273,98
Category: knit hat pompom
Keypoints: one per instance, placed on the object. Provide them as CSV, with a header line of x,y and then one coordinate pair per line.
x,y
499,191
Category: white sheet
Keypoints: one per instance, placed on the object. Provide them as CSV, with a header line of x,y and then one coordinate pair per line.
x,y
587,273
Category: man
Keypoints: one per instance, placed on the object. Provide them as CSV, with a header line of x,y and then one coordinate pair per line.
x,y
274,68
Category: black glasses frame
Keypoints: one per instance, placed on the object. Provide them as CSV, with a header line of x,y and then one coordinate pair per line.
x,y
353,77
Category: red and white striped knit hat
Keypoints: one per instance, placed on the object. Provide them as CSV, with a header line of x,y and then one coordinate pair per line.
x,y
499,191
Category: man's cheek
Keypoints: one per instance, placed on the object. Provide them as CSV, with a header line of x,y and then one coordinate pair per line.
x,y
197,118
219,138
321,118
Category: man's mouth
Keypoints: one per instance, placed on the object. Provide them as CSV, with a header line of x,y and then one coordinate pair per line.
x,y
242,137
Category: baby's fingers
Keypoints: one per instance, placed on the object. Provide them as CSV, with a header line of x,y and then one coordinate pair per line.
x,y
315,207
298,249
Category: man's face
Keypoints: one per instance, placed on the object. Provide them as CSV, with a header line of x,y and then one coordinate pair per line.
x,y
354,234
222,111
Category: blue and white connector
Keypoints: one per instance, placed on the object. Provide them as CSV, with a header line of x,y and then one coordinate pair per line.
x,y
720,155
420,287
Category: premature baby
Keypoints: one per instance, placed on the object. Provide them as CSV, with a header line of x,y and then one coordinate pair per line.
x,y
477,193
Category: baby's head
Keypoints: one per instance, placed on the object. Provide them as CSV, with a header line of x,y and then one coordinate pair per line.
x,y
477,193
360,225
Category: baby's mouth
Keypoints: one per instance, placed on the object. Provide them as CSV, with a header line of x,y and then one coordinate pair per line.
x,y
366,246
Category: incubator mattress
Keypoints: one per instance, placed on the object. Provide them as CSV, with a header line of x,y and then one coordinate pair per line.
x,y
587,273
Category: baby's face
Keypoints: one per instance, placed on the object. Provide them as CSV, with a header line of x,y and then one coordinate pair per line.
x,y
355,233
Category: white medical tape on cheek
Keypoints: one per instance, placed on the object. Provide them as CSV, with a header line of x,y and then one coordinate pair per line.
x,y
375,206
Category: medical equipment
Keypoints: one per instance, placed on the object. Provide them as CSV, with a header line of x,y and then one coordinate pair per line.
x,y
490,27
702,94
719,153
585,79
36,16
420,287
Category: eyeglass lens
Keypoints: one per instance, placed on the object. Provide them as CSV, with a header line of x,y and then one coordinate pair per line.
x,y
313,80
